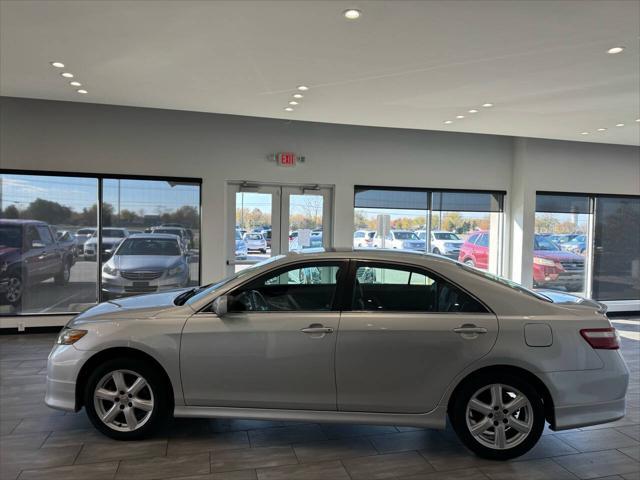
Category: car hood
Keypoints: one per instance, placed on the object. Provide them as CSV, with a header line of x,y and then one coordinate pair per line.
x,y
145,262
558,256
7,253
139,308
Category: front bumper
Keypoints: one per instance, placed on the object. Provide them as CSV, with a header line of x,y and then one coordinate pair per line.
x,y
589,397
118,285
63,366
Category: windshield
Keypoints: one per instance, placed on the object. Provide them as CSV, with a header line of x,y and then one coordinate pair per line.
x,y
10,236
405,236
149,246
85,231
254,236
113,233
205,290
446,236
541,243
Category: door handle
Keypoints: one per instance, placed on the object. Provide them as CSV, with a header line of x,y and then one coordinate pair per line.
x,y
317,328
470,329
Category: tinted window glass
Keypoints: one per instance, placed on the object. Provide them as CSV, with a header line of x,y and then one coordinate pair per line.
x,y
10,236
541,243
45,235
308,287
113,233
473,238
405,236
405,289
445,236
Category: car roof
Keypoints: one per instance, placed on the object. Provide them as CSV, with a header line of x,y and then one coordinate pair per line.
x,y
19,221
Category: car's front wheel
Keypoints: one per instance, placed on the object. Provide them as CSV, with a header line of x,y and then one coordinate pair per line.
x,y
126,398
497,416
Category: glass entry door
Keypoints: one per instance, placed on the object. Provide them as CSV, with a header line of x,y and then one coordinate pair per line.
x,y
268,220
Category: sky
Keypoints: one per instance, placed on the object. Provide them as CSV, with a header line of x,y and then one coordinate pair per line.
x,y
151,196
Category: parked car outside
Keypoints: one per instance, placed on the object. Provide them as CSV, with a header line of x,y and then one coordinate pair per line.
x,y
111,238
400,239
578,244
143,263
241,247
552,267
443,242
29,254
82,235
255,242
496,360
188,231
561,238
363,238
178,231
68,241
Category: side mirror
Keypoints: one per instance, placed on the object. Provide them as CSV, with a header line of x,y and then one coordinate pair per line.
x,y
219,306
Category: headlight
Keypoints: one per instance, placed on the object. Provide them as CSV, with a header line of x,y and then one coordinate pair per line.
x,y
544,261
69,336
176,270
109,271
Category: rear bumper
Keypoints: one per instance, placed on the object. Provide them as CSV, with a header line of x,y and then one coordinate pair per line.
x,y
589,397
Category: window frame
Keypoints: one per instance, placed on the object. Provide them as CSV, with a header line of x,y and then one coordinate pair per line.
x,y
100,177
349,291
338,297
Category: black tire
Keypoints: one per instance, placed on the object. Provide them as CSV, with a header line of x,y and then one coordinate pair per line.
x,y
458,414
157,385
15,289
62,277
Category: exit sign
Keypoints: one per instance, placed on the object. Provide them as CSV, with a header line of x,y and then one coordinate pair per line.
x,y
286,159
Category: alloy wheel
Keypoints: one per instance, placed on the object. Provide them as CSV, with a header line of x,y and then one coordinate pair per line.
x,y
14,289
499,416
123,400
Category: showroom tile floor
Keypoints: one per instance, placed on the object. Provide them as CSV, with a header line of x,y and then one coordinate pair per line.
x,y
39,443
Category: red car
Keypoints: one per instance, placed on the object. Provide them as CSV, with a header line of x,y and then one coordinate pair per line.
x,y
552,267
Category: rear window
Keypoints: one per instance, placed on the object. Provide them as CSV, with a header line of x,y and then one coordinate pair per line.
x,y
113,233
507,283
254,236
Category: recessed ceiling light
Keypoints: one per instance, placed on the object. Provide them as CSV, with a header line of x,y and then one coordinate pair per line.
x,y
638,120
352,14
75,84
615,50
487,105
57,64
448,122
584,133
67,75
473,111
303,88
289,109
297,95
459,116
619,124
82,91
602,129
293,102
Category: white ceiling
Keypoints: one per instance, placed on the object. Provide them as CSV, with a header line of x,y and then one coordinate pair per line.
x,y
411,64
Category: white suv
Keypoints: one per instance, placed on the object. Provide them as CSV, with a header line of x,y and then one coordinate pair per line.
x,y
443,243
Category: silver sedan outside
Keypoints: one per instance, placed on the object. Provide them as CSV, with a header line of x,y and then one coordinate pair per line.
x,y
347,336
146,263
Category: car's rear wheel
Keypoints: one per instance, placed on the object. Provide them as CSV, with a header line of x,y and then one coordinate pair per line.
x,y
126,398
15,289
62,278
469,262
497,416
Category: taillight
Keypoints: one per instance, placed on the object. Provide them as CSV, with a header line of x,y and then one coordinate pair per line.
x,y
601,338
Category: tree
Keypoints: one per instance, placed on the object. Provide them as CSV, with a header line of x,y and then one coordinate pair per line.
x,y
47,211
11,212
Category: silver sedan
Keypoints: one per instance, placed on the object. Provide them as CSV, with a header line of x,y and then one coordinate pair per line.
x,y
347,336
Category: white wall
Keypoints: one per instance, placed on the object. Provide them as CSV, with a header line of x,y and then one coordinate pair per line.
x,y
79,137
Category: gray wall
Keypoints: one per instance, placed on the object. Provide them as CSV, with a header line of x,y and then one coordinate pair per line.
x,y
80,137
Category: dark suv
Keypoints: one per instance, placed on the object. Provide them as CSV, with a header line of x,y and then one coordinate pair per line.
x,y
30,253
